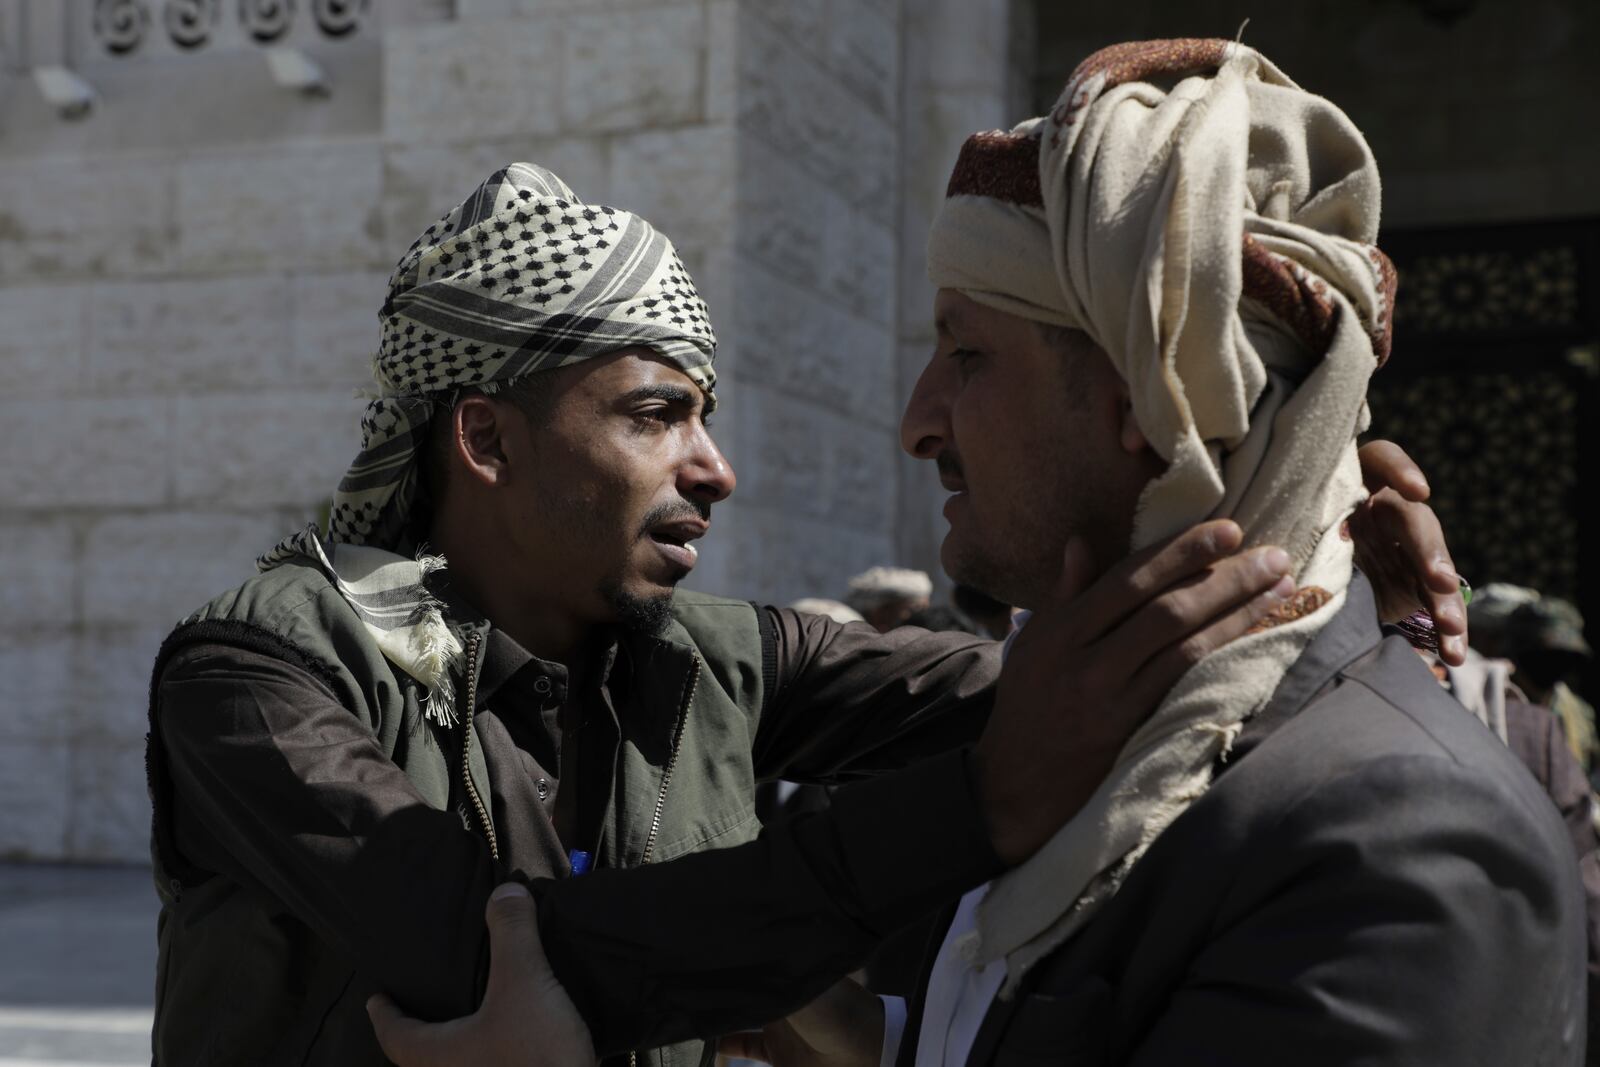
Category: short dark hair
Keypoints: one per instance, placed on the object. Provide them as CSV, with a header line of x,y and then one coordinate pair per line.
x,y
533,395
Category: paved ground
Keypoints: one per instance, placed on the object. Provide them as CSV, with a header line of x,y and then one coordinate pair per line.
x,y
77,966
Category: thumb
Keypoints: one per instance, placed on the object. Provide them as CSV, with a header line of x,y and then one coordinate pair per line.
x,y
403,1039
516,955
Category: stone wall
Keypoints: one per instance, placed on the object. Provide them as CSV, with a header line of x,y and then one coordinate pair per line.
x,y
187,284
189,277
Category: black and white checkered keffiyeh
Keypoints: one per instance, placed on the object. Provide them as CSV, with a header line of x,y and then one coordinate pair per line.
x,y
520,277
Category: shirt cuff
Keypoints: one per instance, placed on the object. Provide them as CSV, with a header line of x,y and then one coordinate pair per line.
x,y
894,1028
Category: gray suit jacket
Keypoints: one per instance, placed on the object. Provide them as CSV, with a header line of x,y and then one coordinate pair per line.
x,y
1372,879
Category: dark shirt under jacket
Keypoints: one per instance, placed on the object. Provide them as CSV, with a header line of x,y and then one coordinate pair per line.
x,y
285,792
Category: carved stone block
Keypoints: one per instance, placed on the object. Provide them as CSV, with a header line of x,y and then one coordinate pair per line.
x,y
152,569
91,452
262,449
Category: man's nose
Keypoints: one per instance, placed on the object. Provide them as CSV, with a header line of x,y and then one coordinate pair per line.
x,y
924,428
707,475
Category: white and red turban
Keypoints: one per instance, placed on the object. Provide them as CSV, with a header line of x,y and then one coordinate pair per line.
x,y
1210,225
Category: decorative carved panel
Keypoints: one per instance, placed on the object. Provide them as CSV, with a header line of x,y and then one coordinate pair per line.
x,y
1500,449
1494,388
129,28
1496,291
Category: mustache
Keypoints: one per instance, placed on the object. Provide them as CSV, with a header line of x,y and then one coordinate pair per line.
x,y
673,511
947,463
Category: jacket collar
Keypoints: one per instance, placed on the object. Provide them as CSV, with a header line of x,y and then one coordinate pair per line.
x,y
1350,634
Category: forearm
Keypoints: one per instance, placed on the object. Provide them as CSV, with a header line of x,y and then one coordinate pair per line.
x,y
847,702
729,939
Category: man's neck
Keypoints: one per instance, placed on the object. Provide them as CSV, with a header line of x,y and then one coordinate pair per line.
x,y
512,606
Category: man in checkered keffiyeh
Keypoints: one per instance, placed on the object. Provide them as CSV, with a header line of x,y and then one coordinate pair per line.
x,y
519,278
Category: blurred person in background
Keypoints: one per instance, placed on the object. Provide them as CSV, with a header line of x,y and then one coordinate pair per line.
x,y
833,609
941,617
1544,639
1537,738
1490,611
886,596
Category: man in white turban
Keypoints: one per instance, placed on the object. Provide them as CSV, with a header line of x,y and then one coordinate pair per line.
x,y
1158,304
887,596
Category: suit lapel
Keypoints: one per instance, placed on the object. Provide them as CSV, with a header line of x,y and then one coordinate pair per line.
x,y
1349,635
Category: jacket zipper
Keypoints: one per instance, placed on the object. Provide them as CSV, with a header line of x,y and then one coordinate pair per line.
x,y
473,641
672,760
666,780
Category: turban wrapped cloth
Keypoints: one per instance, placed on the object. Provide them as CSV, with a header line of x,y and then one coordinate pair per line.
x,y
1210,226
521,277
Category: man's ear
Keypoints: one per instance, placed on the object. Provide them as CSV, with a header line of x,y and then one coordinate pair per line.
x,y
477,439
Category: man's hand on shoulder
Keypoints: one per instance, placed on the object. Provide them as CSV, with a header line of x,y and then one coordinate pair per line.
x,y
1095,660
1400,548
526,1019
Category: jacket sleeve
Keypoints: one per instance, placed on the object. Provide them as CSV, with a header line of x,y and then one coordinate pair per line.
x,y
846,701
1408,913
279,788
726,940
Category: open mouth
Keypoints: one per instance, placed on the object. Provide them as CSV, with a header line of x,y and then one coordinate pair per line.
x,y
675,541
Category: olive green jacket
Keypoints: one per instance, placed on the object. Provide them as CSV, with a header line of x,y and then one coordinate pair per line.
x,y
726,693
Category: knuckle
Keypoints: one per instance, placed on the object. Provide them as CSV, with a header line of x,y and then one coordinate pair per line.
x,y
1138,583
1171,612
1192,650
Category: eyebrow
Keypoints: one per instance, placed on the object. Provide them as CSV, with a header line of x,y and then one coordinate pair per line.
x,y
672,394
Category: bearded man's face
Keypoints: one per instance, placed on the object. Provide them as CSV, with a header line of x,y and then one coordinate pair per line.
x,y
623,479
1022,423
